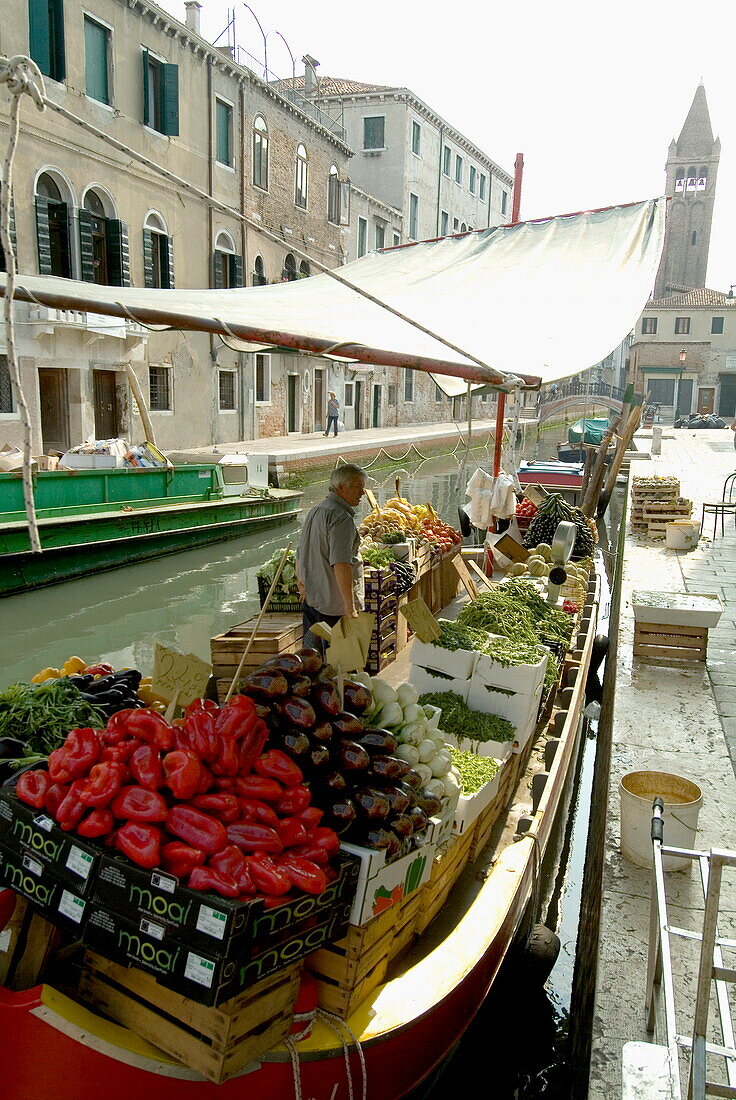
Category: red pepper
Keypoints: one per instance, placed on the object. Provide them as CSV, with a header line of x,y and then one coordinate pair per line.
x,y
277,765
291,831
310,817
223,783
103,783
116,729
180,859
311,852
206,782
237,718
303,874
121,752
140,842
326,839
267,876
257,786
146,767
71,810
251,745
199,726
76,756
98,823
100,669
33,788
253,810
138,804
55,795
249,836
195,828
183,773
209,706
231,861
151,727
221,805
293,801
207,878
227,761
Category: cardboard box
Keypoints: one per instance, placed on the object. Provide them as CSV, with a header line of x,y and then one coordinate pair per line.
x,y
458,663
46,462
515,707
499,750
90,462
381,885
11,459
523,678
425,681
470,806
27,831
35,880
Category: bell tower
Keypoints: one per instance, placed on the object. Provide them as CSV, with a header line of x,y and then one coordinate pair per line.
x,y
692,167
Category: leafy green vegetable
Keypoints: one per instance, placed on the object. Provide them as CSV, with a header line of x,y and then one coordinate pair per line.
x,y
287,588
380,557
41,715
459,720
516,610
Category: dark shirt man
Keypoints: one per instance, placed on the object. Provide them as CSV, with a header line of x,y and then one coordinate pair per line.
x,y
333,412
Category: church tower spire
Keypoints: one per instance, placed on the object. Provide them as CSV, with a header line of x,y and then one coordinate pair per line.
x,y
692,167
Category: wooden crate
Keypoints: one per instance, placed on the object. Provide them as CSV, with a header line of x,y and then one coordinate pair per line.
x,y
216,1042
278,633
348,970
26,943
448,865
666,643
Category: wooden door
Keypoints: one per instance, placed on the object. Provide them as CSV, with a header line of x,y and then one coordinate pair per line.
x,y
292,392
358,405
706,400
54,409
320,405
376,406
106,404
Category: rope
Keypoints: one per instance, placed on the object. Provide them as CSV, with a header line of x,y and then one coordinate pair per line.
x,y
21,76
334,1023
340,461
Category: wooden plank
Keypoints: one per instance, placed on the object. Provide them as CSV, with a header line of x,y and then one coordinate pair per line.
x,y
479,574
41,939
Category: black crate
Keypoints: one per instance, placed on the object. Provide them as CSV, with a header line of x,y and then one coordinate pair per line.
x,y
27,831
287,606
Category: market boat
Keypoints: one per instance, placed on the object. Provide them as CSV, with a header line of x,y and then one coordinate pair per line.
x,y
560,477
587,430
411,1021
95,519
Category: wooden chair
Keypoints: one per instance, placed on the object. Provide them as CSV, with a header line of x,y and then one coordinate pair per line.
x,y
721,508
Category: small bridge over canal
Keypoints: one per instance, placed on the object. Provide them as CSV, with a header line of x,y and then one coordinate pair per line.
x,y
580,396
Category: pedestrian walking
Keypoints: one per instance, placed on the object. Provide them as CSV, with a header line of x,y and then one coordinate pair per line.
x,y
333,411
732,426
329,568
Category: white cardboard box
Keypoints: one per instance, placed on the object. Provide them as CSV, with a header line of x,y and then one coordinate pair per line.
x,y
518,708
381,884
470,806
523,678
499,750
677,608
458,663
424,681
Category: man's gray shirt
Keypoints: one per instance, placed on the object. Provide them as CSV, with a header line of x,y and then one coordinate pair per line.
x,y
329,537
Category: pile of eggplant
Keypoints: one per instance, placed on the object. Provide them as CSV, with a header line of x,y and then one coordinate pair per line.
x,y
369,796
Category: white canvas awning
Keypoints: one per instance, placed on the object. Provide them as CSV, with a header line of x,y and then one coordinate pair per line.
x,y
539,300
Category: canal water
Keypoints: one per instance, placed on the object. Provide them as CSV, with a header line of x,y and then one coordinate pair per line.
x,y
517,1043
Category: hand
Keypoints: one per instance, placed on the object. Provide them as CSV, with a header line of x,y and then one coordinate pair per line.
x,y
351,613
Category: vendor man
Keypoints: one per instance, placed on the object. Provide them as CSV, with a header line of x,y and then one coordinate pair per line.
x,y
329,568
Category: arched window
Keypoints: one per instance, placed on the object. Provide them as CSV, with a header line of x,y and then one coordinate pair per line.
x,y
288,275
338,198
227,264
103,241
680,181
692,179
52,228
304,269
702,178
259,272
301,177
260,153
463,228
158,257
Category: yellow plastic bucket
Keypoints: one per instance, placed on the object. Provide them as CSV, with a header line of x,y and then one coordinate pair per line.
x,y
682,801
681,535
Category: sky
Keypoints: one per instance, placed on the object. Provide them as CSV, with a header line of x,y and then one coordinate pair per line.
x,y
592,95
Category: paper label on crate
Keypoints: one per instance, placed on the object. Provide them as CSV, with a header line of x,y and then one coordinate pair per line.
x,y
180,675
155,931
6,811
163,882
71,906
79,862
33,866
5,940
211,922
199,970
43,822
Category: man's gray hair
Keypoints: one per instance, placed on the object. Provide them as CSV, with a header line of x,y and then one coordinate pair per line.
x,y
345,474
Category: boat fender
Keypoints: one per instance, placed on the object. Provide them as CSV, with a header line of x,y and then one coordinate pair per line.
x,y
593,685
550,751
540,953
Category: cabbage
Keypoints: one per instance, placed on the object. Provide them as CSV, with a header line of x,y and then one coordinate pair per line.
x,y
409,753
427,750
433,715
451,783
437,788
412,734
407,694
389,717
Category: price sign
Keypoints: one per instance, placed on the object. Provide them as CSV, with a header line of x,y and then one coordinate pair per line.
x,y
535,493
421,620
178,675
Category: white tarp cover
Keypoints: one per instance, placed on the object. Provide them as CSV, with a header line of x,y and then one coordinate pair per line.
x,y
544,298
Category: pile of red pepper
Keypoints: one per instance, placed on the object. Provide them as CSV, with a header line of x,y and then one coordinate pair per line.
x,y
198,798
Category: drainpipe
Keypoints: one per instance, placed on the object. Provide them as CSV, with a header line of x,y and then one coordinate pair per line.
x,y
242,359
210,250
518,177
439,185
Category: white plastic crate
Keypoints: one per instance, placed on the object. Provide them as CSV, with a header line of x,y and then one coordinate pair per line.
x,y
470,806
454,662
522,678
424,681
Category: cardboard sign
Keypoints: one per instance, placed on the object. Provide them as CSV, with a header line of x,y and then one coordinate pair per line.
x,y
371,499
476,569
180,676
511,548
421,620
464,574
349,642
535,493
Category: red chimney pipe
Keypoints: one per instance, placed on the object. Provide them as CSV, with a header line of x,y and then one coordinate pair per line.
x,y
518,176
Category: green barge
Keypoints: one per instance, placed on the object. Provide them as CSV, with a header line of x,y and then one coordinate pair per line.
x,y
95,519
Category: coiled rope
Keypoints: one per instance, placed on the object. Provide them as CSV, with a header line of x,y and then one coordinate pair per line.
x,y
336,1024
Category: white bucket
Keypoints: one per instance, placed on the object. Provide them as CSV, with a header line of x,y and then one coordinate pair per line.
x,y
682,801
681,535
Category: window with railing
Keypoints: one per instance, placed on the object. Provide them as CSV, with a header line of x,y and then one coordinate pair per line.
x,y
227,390
159,389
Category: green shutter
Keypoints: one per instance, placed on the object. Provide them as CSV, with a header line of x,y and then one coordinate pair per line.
x,y
168,246
217,270
86,248
43,236
148,258
95,55
118,252
146,104
236,271
222,126
39,34
170,100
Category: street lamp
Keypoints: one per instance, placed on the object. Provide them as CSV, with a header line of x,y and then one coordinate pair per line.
x,y
730,291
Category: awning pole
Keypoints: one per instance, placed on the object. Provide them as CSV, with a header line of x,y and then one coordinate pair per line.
x,y
500,414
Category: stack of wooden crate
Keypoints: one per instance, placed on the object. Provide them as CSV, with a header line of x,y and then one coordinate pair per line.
x,y
278,633
382,602
655,502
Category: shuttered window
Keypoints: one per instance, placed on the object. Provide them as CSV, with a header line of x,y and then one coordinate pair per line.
x,y
160,95
227,270
158,260
13,239
260,153
6,389
46,36
104,250
96,50
224,131
52,236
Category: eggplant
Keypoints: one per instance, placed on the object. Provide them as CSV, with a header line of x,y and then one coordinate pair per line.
x,y
293,742
380,742
371,803
413,779
297,712
128,676
270,684
428,802
332,783
347,725
408,790
349,756
311,659
322,731
357,698
289,665
398,800
81,680
11,748
340,815
402,825
379,839
301,686
263,711
388,769
324,695
419,818
318,756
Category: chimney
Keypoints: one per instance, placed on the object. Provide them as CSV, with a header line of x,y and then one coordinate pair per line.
x,y
193,8
310,74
